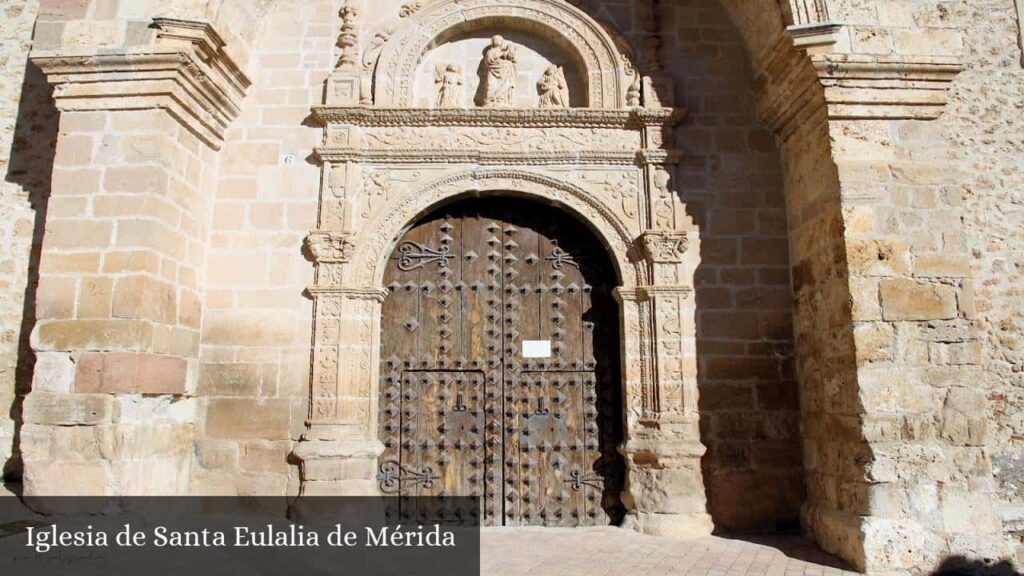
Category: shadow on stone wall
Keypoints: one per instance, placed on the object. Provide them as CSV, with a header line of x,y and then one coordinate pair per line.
x,y
962,566
31,167
730,180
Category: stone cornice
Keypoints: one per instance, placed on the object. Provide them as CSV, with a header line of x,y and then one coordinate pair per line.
x,y
186,72
885,87
793,84
499,117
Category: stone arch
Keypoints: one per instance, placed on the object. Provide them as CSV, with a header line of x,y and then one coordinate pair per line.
x,y
374,248
582,38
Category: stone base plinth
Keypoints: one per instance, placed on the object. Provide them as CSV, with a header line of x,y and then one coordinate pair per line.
x,y
338,467
334,467
665,487
671,525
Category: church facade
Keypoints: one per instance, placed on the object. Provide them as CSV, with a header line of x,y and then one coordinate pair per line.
x,y
679,265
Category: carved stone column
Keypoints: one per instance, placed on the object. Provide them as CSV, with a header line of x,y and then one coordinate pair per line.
x,y
665,488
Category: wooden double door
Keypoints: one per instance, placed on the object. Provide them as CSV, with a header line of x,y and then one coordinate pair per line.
x,y
500,365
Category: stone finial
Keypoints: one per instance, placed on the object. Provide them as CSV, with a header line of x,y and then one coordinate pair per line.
x,y
348,39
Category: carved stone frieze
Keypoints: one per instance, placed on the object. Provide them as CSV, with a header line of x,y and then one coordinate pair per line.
x,y
409,8
484,117
620,189
503,139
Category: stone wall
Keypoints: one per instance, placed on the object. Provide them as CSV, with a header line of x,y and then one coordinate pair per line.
x,y
27,130
985,126
256,339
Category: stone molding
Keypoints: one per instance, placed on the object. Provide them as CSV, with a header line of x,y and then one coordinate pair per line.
x,y
485,158
185,72
371,294
599,61
865,88
638,294
624,118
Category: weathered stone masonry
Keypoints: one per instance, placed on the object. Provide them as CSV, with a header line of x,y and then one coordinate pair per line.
x,y
845,176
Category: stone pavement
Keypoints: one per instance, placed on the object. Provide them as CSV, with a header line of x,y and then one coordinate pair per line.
x,y
620,552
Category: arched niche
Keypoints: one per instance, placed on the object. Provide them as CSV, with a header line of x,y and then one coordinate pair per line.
x,y
554,24
534,54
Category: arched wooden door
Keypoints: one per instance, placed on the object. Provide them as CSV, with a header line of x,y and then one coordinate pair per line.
x,y
500,365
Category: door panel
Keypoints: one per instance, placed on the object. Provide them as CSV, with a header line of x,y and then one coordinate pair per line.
x,y
500,372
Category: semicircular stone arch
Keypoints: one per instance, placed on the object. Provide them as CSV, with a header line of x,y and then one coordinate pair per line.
x,y
380,236
556,21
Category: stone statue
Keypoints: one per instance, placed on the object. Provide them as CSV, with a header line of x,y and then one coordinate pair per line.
x,y
498,73
448,79
552,88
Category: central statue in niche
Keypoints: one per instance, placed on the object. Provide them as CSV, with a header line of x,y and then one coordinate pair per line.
x,y
498,71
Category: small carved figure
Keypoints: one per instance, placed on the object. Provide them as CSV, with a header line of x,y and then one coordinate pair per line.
x,y
448,79
499,73
552,88
633,92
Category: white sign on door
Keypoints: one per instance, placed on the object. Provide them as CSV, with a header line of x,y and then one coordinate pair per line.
x,y
536,348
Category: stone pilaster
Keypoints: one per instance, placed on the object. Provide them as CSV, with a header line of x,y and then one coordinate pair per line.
x,y
121,267
665,489
339,450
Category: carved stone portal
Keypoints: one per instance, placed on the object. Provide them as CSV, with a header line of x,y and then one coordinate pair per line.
x,y
388,163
